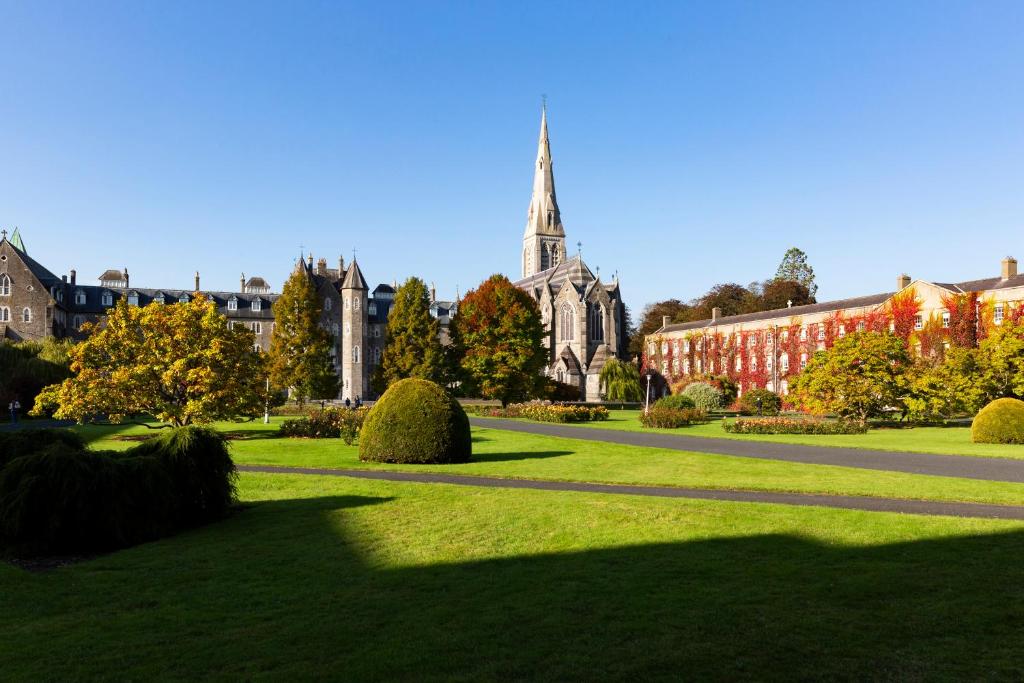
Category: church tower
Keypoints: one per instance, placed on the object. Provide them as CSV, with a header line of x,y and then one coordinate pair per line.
x,y
354,373
544,240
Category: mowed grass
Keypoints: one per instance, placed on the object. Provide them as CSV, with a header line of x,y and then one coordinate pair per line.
x,y
502,453
943,440
326,577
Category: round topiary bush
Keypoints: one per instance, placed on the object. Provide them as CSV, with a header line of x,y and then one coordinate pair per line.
x,y
704,396
1001,421
415,421
676,401
760,402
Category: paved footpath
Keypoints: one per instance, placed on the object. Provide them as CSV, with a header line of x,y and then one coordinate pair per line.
x,y
913,507
968,467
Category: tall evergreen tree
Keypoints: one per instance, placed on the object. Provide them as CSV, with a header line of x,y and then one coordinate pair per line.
x,y
300,348
795,267
412,348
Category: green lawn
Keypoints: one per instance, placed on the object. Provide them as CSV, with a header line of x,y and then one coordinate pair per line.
x,y
945,440
518,455
325,577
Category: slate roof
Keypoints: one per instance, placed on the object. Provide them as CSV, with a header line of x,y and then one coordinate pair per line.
x,y
354,278
94,300
856,302
574,271
113,274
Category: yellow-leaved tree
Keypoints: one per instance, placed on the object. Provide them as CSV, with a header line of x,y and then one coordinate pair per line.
x,y
180,363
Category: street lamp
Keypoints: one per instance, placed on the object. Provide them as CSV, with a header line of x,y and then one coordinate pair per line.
x,y
647,404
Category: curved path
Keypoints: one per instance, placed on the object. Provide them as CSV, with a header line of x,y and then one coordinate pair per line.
x,y
913,507
967,467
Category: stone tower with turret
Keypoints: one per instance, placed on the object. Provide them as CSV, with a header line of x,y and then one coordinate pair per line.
x,y
544,239
355,378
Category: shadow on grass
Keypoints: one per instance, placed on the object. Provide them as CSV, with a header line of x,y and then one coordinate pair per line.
x,y
521,455
304,588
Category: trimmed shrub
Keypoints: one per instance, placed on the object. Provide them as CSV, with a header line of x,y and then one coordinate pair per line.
x,y
678,401
1001,421
416,421
65,498
27,441
760,402
672,418
704,396
329,423
792,425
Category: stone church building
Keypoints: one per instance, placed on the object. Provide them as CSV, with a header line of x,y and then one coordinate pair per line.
x,y
584,318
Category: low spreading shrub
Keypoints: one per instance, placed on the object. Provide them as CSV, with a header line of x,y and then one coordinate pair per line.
x,y
329,423
1001,421
25,441
678,401
792,425
544,412
672,418
64,498
416,421
704,396
760,402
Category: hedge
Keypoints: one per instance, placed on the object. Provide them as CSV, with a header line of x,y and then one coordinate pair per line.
x,y
678,401
672,418
544,412
792,425
415,421
329,423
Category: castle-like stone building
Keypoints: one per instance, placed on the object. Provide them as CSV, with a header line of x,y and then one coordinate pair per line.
x,y
36,304
584,318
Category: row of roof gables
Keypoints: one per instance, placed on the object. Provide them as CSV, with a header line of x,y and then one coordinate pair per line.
x,y
574,271
988,284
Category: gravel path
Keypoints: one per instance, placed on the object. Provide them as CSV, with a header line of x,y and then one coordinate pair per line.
x,y
967,467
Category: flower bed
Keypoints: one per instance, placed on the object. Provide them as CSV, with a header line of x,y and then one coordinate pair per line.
x,y
329,423
672,418
792,425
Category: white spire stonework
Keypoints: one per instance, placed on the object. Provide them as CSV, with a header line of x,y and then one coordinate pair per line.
x,y
544,239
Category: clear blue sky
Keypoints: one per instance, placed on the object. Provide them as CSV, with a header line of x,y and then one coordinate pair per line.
x,y
693,143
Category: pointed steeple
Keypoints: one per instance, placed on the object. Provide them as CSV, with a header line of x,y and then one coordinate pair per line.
x,y
17,242
354,278
544,239
543,216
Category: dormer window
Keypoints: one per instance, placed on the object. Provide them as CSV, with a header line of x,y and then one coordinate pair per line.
x,y
133,299
233,304
257,304
79,297
108,299
159,298
183,299
373,308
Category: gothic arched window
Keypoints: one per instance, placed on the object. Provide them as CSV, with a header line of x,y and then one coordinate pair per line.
x,y
5,285
545,257
597,322
26,315
355,354
5,314
568,323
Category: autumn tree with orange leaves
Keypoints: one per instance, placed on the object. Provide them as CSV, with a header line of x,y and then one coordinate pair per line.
x,y
497,338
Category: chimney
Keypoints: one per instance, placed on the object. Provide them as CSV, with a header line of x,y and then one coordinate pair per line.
x,y
433,293
321,266
665,320
125,277
64,279
74,275
309,260
341,266
1009,267
902,281
197,280
241,285
716,313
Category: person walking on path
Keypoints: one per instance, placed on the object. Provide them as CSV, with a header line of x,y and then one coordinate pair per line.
x,y
14,406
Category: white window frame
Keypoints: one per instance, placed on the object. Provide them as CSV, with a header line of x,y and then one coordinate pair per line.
x,y
257,328
79,297
133,299
5,284
256,305
5,314
997,314
233,304
26,315
945,320
918,322
107,299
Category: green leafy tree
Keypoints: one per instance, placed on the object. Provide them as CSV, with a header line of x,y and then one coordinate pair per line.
x,y
1001,362
780,293
413,348
861,376
651,320
300,348
795,267
952,387
497,335
620,381
179,362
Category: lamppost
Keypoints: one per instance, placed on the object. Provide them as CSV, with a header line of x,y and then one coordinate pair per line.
x,y
647,404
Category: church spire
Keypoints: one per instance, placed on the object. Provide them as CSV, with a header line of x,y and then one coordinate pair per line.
x,y
544,238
